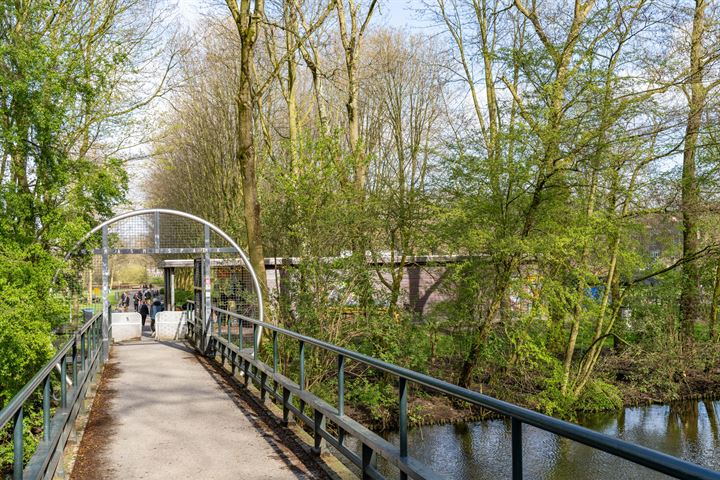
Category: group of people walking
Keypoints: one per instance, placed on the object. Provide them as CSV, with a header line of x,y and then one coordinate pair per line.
x,y
146,302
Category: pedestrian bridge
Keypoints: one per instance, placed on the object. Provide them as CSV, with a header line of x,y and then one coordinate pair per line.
x,y
217,401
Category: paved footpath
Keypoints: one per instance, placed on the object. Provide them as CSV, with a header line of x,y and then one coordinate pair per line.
x,y
161,414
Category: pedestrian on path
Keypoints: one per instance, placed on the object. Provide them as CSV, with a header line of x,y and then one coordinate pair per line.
x,y
156,307
144,312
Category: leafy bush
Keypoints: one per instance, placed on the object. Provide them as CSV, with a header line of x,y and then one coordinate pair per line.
x,y
32,434
599,396
377,398
28,312
182,296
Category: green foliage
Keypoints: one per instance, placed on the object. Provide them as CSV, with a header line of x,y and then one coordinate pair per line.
x,y
379,399
27,314
32,434
182,296
54,194
600,396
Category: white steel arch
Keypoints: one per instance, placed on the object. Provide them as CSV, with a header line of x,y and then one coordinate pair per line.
x,y
152,211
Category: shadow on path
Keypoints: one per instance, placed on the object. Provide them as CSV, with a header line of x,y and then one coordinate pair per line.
x,y
282,440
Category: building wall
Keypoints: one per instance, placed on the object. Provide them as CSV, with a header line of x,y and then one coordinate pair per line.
x,y
420,286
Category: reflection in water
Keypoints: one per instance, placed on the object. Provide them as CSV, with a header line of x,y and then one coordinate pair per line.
x,y
479,451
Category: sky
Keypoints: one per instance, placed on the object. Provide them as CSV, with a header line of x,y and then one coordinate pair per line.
x,y
395,13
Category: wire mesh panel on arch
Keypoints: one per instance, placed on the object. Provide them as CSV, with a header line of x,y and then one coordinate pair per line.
x,y
153,257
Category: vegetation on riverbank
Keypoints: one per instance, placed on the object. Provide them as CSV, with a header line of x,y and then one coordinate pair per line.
x,y
631,376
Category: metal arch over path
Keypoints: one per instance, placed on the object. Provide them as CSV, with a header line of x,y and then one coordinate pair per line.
x,y
105,251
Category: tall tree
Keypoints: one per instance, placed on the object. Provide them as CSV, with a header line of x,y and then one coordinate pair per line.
x,y
248,23
690,310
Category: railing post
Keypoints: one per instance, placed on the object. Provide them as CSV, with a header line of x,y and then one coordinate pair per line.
x,y
91,340
286,409
403,422
46,408
246,367
229,335
18,445
516,432
275,351
366,458
275,363
105,294
263,387
341,384
219,334
319,425
74,362
240,343
301,379
255,341
63,382
82,350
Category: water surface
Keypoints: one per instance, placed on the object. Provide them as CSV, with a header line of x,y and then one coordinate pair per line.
x,y
481,450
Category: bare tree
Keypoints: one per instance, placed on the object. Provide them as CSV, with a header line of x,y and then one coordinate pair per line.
x,y
353,25
402,107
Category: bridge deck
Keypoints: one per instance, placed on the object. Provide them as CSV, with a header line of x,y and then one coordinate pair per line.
x,y
163,413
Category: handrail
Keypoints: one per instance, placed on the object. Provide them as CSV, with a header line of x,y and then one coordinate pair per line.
x,y
647,457
82,353
7,413
22,396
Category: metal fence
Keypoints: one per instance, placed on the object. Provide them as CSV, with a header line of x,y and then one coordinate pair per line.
x,y
78,361
229,345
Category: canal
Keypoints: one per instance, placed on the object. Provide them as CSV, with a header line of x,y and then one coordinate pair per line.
x,y
481,450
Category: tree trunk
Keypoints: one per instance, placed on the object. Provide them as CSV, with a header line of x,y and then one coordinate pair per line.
x,y
251,203
354,125
481,334
247,26
291,46
690,284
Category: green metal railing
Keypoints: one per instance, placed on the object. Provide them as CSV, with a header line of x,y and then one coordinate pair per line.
x,y
271,381
78,360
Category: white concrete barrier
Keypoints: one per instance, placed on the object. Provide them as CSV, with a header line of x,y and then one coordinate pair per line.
x,y
126,326
170,325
